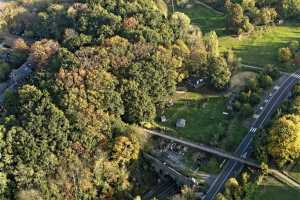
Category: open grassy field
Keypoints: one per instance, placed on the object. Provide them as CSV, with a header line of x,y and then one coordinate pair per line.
x,y
258,49
206,19
271,189
261,48
205,121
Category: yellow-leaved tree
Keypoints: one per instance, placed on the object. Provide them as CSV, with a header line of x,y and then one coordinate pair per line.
x,y
284,139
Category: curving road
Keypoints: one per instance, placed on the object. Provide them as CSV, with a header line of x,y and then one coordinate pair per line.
x,y
231,168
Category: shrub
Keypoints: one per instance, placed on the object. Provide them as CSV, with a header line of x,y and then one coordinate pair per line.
x,y
4,70
285,54
246,110
265,81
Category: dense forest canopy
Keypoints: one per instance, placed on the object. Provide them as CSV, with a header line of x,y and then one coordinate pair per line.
x,y
99,66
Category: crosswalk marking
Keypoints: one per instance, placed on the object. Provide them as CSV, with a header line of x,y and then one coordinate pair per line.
x,y
296,76
252,129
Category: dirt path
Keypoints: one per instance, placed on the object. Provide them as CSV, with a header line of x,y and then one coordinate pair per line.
x,y
208,7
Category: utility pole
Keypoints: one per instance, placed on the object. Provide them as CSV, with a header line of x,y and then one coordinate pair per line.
x,y
173,6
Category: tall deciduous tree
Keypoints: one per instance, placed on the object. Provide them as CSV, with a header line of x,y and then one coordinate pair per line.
x,y
219,73
284,140
212,44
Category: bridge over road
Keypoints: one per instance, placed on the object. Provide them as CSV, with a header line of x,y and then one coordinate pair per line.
x,y
206,148
219,152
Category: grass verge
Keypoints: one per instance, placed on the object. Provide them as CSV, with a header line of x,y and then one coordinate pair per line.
x,y
295,172
271,189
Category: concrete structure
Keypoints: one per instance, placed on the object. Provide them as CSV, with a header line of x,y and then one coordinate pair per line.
x,y
164,169
206,148
163,118
21,73
180,123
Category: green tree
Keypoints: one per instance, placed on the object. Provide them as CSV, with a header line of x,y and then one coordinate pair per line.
x,y
125,149
233,189
295,107
267,16
285,54
265,81
138,106
254,99
181,23
3,185
296,90
187,193
246,110
284,141
212,44
219,73
4,70
220,197
290,8
272,71
236,21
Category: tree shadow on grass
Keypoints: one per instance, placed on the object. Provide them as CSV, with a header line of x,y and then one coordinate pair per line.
x,y
274,192
261,48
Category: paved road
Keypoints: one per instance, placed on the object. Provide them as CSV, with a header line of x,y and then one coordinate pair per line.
x,y
18,76
205,148
231,168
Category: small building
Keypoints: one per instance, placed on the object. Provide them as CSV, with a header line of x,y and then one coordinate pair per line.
x,y
163,118
280,22
181,123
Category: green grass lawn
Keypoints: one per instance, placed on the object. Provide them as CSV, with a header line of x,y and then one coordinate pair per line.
x,y
206,19
295,171
261,48
205,121
271,189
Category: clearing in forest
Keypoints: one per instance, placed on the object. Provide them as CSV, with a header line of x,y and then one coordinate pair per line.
x,y
261,47
206,19
205,120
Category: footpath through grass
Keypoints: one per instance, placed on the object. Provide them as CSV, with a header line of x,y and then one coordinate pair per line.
x,y
261,48
271,189
205,121
206,19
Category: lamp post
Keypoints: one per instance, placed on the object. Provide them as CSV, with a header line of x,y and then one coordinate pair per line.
x,y
173,6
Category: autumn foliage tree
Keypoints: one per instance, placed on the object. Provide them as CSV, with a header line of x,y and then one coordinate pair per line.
x,y
284,141
98,63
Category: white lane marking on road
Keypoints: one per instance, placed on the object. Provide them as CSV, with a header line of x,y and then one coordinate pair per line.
x,y
273,95
274,104
244,155
296,76
235,163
